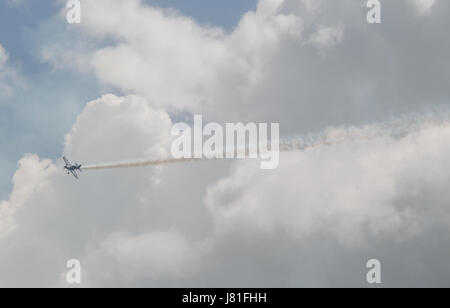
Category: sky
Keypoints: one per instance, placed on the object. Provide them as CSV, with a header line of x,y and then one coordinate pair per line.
x,y
39,131
112,87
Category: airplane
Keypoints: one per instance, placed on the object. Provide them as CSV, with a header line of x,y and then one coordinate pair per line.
x,y
72,168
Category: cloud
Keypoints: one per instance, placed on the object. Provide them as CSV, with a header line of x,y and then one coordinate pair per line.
x,y
10,78
151,255
29,178
41,187
257,228
379,193
144,125
175,62
3,56
5,90
340,190
328,36
424,6
309,65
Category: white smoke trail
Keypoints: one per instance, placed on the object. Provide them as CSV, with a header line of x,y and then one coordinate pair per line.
x,y
332,136
143,163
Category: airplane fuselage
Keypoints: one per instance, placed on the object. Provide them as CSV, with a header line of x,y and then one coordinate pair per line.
x,y
73,168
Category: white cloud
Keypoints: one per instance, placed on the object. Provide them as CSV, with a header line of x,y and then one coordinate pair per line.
x,y
162,227
311,222
341,190
172,60
140,130
150,258
424,6
30,178
274,66
327,36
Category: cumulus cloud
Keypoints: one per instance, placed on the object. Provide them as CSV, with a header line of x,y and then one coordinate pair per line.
x,y
29,178
248,228
49,217
341,189
145,134
39,184
308,64
314,221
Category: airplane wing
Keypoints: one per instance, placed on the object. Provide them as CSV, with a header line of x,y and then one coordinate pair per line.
x,y
74,174
66,161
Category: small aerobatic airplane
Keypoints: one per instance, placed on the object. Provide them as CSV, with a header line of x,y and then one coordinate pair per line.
x,y
72,168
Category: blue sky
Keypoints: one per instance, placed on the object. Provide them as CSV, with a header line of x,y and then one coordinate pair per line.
x,y
33,120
